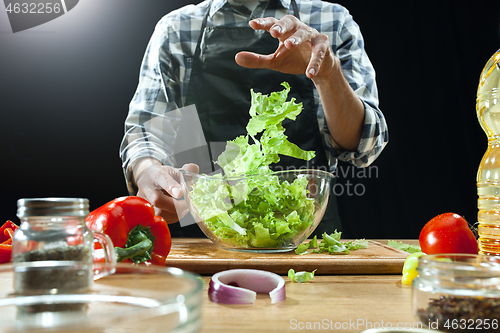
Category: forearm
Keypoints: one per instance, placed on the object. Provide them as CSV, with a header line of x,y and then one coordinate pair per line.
x,y
344,112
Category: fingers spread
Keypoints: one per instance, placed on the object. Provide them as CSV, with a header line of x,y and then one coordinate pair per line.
x,y
302,49
263,23
320,50
285,27
281,29
303,35
252,60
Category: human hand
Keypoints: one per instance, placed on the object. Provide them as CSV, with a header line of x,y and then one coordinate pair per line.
x,y
301,49
160,185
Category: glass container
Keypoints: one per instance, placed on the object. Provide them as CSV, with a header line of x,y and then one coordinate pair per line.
x,y
458,292
270,212
53,232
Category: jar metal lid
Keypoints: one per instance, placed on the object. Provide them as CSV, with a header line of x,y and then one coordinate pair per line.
x,y
52,207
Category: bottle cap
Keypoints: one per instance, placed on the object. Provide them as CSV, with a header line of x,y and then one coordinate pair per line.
x,y
52,207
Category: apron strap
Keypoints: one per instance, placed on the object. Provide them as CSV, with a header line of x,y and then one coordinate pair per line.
x,y
203,26
295,9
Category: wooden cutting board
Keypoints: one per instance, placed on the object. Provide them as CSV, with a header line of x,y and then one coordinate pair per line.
x,y
204,257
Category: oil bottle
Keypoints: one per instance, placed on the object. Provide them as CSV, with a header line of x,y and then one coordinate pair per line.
x,y
488,176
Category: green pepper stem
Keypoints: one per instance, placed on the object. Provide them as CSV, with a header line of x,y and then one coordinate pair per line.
x,y
135,250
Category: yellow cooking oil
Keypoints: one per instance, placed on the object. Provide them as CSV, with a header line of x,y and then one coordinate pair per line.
x,y
488,175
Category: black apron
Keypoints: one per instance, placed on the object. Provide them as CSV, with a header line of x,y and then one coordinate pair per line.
x,y
220,89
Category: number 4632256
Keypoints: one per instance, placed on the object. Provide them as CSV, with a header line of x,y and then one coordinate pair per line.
x,y
33,8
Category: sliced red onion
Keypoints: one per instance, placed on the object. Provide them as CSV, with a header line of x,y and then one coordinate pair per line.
x,y
240,286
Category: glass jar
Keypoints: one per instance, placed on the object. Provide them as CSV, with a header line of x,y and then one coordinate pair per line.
x,y
52,250
458,292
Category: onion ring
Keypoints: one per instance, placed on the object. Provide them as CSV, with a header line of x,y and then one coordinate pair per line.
x,y
240,286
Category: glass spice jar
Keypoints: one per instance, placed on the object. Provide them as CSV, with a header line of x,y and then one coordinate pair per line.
x,y
52,250
458,292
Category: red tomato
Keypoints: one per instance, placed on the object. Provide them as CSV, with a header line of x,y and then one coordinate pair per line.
x,y
447,233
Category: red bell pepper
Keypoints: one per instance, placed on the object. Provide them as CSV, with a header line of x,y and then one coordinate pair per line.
x,y
6,234
137,234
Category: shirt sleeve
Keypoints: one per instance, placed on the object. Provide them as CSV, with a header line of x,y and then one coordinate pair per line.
x,y
147,127
360,74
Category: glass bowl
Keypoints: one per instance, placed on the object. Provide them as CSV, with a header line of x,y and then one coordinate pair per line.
x,y
458,292
270,212
131,299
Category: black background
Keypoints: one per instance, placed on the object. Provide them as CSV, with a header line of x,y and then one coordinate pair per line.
x,y
65,87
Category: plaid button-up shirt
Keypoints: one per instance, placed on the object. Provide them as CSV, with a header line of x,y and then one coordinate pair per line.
x,y
166,69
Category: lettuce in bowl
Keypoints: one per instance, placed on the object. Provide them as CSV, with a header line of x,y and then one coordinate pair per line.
x,y
249,206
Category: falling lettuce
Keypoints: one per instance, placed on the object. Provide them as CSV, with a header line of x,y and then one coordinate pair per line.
x,y
267,114
259,211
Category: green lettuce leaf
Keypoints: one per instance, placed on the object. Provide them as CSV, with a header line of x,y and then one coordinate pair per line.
x,y
357,244
332,244
404,247
302,249
267,114
300,277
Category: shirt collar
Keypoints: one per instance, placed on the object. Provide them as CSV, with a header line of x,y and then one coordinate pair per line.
x,y
218,4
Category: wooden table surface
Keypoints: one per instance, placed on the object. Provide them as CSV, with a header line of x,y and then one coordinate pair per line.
x,y
346,303
332,302
352,303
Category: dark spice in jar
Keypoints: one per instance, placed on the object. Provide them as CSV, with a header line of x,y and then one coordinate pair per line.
x,y
61,278
461,314
54,279
63,252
